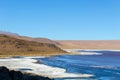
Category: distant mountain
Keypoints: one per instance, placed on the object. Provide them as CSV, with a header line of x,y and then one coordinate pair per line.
x,y
71,44
9,33
15,35
89,44
16,47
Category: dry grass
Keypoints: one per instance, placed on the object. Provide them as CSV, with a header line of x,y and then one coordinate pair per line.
x,y
10,46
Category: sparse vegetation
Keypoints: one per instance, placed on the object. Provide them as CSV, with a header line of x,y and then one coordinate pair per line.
x,y
10,46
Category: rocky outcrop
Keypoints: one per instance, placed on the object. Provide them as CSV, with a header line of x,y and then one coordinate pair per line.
x,y
6,74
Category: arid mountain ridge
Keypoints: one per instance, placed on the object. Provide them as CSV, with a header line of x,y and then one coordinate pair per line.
x,y
15,35
12,46
73,44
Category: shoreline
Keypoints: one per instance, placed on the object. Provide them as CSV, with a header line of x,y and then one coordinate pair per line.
x,y
75,51
8,74
32,67
94,49
35,67
89,51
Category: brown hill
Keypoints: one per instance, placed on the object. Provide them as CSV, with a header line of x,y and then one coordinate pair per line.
x,y
15,35
89,44
71,44
13,46
9,33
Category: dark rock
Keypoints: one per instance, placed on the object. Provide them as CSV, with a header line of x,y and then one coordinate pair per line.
x,y
16,75
31,77
5,74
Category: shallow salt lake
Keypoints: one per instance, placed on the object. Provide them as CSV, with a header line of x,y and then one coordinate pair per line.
x,y
31,65
105,66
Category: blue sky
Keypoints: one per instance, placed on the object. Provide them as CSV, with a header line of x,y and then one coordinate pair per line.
x,y
62,19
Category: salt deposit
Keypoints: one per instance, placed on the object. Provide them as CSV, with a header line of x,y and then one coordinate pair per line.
x,y
90,53
29,65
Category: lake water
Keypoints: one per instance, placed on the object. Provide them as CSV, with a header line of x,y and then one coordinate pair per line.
x,y
105,66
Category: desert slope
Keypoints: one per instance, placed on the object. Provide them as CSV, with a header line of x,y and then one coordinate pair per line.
x,y
71,44
39,39
13,46
89,44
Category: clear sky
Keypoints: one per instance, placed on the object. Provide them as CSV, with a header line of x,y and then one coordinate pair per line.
x,y
62,19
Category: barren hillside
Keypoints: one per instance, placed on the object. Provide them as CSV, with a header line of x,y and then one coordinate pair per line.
x,y
13,46
89,44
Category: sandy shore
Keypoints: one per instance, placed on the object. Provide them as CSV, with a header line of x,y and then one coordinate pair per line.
x,y
29,65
